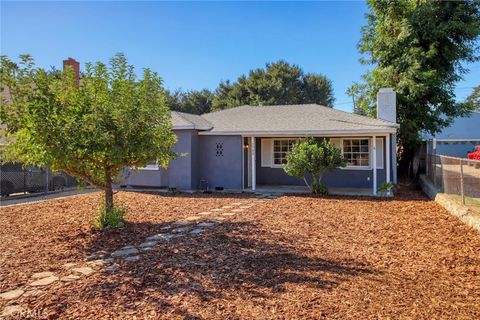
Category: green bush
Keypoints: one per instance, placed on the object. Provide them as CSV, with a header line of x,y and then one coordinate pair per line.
x,y
109,218
315,158
385,188
319,188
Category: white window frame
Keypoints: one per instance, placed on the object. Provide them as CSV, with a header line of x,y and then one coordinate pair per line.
x,y
272,153
350,167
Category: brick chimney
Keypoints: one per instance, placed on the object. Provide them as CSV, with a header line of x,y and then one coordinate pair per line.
x,y
70,62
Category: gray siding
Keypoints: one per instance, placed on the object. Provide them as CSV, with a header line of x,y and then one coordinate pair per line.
x,y
180,170
346,178
221,170
148,178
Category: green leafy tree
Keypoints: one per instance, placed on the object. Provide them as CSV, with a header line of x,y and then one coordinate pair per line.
x,y
277,83
417,48
474,97
313,158
93,130
192,101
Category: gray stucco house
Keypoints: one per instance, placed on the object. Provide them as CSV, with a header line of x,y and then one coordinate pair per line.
x,y
244,148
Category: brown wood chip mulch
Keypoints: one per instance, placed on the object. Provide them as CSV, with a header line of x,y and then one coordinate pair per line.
x,y
295,257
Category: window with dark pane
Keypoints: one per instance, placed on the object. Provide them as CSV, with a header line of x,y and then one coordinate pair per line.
x,y
356,152
280,150
219,149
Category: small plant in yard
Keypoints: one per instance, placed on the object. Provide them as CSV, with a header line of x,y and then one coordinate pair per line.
x,y
112,217
313,158
319,188
385,188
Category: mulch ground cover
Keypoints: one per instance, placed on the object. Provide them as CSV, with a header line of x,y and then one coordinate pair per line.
x,y
295,257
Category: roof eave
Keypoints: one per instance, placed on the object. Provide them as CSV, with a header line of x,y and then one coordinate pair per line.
x,y
301,132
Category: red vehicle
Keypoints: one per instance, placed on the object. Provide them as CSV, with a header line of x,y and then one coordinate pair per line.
x,y
475,154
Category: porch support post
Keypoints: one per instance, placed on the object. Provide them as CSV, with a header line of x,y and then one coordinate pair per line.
x,y
388,158
254,166
374,164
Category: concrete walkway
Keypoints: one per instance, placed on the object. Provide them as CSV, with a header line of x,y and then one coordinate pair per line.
x,y
40,197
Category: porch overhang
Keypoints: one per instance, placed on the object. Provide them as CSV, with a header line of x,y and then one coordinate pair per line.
x,y
323,133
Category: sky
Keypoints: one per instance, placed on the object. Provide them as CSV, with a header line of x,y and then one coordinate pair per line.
x,y
195,45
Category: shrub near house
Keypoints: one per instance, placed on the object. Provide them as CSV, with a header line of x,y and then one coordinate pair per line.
x,y
313,158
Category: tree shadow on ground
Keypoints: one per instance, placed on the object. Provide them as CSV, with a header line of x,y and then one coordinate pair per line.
x,y
229,261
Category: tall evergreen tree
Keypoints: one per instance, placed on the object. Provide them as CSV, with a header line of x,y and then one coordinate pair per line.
x,y
192,101
417,48
277,83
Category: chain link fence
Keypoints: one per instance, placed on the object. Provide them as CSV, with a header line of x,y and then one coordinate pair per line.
x,y
455,176
16,179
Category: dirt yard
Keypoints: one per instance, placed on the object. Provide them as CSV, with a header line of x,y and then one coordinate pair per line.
x,y
295,257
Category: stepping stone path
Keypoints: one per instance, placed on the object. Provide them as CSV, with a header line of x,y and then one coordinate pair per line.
x,y
196,231
12,294
13,310
129,253
124,252
86,271
70,277
44,282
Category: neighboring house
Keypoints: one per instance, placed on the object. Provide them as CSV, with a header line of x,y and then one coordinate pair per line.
x,y
458,139
244,148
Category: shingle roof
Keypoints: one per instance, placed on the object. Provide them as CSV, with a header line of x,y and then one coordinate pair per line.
x,y
181,120
292,118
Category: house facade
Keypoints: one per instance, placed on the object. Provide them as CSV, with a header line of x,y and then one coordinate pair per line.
x,y
245,148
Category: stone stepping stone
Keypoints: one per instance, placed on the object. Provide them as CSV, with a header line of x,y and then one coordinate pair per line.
x,y
100,262
69,265
197,231
95,256
146,249
41,275
172,236
180,230
228,214
44,282
236,203
206,224
245,207
155,237
237,210
32,293
217,210
12,294
13,310
219,219
112,268
127,247
86,271
181,223
70,277
205,213
125,252
147,244
166,228
132,258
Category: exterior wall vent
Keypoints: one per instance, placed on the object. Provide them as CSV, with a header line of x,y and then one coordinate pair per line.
x,y
219,149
